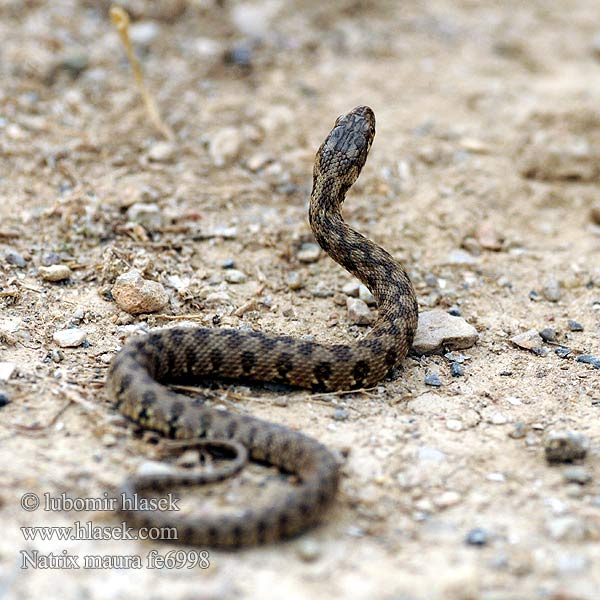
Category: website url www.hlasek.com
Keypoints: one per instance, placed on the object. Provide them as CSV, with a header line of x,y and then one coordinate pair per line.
x,y
89,531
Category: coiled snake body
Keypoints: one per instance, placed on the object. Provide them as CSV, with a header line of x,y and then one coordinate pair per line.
x,y
137,373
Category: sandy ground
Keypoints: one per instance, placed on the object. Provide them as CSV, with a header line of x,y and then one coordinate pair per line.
x,y
487,142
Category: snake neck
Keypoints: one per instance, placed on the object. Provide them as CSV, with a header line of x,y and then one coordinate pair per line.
x,y
372,265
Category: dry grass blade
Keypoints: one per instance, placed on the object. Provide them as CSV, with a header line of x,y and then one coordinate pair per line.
x,y
121,22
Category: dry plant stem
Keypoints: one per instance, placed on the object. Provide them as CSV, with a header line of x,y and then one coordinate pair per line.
x,y
121,21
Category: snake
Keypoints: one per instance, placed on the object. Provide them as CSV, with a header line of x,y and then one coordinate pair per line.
x,y
139,373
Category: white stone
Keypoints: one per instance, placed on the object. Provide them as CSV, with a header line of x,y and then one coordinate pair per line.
x,y
161,152
358,312
55,272
225,145
234,276
136,295
6,370
438,329
69,338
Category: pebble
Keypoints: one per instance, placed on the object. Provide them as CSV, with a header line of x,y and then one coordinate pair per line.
x,y
322,290
519,430
161,152
234,276
258,161
552,290
109,440
548,334
240,55
454,425
574,325
433,379
534,296
136,295
447,499
589,359
428,453
225,145
217,299
294,280
456,369
4,399
309,253
358,312
365,295
12,257
50,258
565,446
228,263
577,474
308,549
55,273
498,418
147,214
69,338
352,289
566,528
488,237
6,370
460,257
437,329
341,414
529,340
143,32
477,537
562,352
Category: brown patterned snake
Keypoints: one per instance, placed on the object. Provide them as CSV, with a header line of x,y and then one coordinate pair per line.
x,y
182,355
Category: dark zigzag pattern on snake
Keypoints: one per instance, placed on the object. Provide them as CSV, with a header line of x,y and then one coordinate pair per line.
x,y
137,374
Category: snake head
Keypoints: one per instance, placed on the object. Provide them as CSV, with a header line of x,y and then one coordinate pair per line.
x,y
344,152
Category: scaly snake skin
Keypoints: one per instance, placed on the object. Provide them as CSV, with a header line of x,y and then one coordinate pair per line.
x,y
180,355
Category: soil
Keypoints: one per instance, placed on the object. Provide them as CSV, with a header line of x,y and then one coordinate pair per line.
x,y
487,142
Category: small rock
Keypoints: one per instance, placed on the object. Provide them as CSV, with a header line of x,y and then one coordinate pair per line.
x,y
136,295
574,325
358,312
6,370
534,296
309,253
4,399
427,453
109,440
55,273
530,340
240,55
225,145
322,290
548,334
456,357
341,414
577,474
488,237
433,379
454,425
308,549
456,369
447,499
12,257
460,257
365,295
258,161
519,430
235,276
294,280
562,352
69,338
498,418
161,152
217,299
147,214
50,258
431,280
143,32
228,263
589,360
565,446
437,329
552,290
352,289
477,537
566,528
